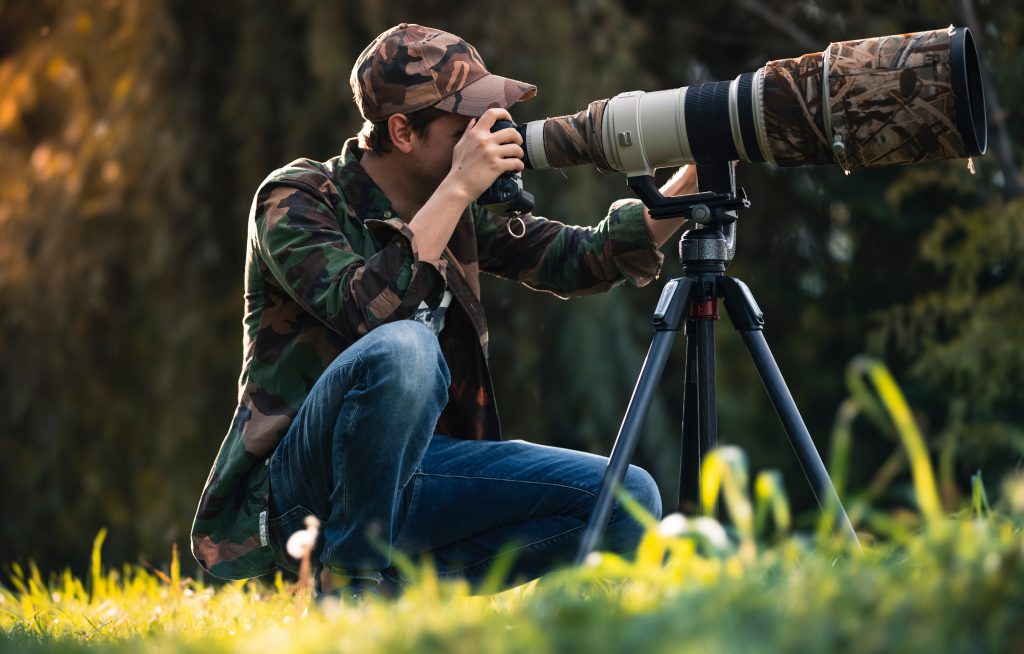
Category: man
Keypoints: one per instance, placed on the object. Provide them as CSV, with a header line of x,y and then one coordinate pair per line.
x,y
365,398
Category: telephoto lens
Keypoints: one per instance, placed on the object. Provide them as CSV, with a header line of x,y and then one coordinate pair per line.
x,y
880,101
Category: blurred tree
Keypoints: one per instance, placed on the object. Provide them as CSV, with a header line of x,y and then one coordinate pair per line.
x,y
104,278
957,336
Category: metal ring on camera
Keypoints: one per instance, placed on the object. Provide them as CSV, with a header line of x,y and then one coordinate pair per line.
x,y
522,224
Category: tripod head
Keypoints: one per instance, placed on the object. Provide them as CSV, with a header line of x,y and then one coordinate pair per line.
x,y
714,207
715,202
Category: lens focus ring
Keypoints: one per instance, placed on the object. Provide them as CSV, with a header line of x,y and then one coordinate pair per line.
x,y
707,122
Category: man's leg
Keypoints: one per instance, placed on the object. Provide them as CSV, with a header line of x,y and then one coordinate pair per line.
x,y
354,445
474,499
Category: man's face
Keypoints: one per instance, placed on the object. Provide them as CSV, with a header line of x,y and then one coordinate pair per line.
x,y
433,149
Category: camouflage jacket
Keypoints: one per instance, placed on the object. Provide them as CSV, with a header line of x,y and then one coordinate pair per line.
x,y
328,260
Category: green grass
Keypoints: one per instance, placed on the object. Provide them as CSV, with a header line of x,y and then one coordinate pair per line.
x,y
927,580
956,585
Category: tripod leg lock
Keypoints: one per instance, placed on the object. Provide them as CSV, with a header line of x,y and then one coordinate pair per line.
x,y
746,316
673,305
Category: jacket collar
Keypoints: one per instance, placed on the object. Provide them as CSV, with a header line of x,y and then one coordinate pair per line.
x,y
365,199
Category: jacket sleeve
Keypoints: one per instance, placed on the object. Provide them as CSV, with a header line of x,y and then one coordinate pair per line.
x,y
297,235
567,260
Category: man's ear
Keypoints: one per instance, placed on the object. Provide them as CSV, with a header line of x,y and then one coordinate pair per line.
x,y
400,133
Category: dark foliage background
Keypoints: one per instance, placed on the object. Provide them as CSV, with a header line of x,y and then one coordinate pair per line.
x,y
133,134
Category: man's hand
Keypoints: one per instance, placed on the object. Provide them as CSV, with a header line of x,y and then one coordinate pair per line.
x,y
478,158
481,156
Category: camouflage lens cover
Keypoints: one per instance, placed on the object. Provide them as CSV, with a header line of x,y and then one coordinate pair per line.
x,y
793,115
576,139
892,101
888,100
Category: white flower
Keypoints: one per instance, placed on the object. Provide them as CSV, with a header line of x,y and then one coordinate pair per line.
x,y
301,543
712,530
672,525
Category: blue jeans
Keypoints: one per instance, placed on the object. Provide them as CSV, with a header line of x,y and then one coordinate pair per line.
x,y
362,456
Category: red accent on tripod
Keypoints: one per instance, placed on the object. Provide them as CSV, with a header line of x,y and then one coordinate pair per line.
x,y
705,310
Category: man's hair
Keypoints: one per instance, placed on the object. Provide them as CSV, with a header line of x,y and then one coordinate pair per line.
x,y
374,134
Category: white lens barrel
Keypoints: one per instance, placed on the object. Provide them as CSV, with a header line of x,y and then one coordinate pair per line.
x,y
640,132
621,134
644,131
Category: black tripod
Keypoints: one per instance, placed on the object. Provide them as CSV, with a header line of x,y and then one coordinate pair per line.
x,y
693,298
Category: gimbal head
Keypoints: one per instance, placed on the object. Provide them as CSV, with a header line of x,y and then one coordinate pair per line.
x,y
714,206
716,202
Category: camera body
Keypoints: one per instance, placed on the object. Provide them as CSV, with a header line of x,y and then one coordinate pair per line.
x,y
506,196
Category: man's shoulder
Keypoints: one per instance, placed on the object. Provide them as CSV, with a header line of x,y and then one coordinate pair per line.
x,y
324,178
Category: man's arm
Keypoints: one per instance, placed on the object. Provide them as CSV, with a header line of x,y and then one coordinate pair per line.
x,y
683,182
568,260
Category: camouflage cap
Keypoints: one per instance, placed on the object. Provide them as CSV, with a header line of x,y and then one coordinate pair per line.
x,y
410,67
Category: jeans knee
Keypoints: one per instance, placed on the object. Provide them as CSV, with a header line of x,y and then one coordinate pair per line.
x,y
644,490
408,354
624,531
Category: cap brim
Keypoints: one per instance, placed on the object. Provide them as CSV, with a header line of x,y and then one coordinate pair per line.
x,y
486,93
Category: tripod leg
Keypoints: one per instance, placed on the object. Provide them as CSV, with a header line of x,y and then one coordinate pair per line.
x,y
749,321
689,469
668,320
625,442
707,405
700,413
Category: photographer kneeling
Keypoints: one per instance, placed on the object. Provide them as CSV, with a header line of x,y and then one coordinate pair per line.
x,y
365,397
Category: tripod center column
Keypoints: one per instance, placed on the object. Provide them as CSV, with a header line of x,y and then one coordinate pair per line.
x,y
705,309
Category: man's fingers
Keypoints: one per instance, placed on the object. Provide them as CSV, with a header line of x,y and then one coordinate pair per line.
x,y
491,116
509,135
511,165
486,120
510,151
